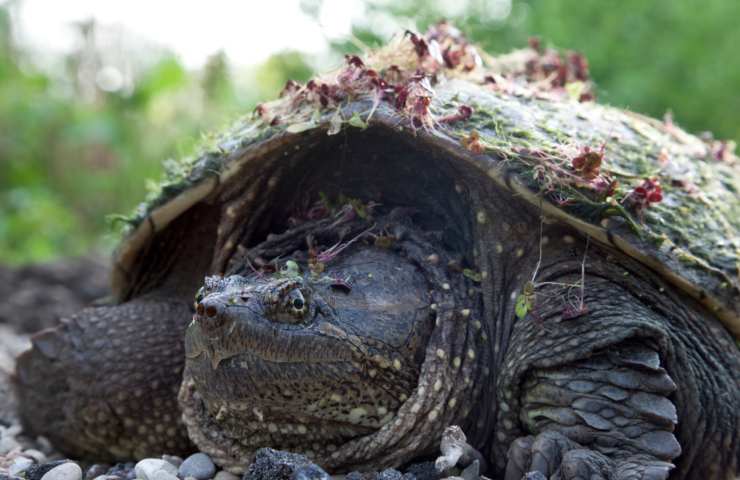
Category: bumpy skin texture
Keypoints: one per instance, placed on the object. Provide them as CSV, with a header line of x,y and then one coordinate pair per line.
x,y
108,379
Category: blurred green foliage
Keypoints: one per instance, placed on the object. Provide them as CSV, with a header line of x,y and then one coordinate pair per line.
x,y
73,152
650,56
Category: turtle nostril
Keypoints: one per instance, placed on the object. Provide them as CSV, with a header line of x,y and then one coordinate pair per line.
x,y
207,308
211,314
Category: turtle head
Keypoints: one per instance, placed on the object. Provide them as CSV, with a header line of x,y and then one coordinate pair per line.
x,y
299,359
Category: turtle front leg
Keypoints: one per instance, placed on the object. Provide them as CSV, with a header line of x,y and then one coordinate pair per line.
x,y
103,384
637,383
608,416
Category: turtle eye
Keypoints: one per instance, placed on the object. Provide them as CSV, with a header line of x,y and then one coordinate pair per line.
x,y
296,302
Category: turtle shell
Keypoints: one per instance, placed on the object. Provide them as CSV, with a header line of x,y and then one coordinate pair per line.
x,y
525,121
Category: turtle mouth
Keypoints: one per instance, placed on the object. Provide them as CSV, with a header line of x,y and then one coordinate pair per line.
x,y
235,329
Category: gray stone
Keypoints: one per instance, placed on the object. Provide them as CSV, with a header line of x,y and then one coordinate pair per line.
x,y
272,464
224,475
65,471
146,468
199,466
96,470
123,470
19,465
310,472
35,472
107,477
423,471
392,474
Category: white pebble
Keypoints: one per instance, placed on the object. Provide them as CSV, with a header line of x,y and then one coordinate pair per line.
x,y
65,471
19,465
163,475
146,468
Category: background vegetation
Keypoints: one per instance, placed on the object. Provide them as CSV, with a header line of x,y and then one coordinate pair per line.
x,y
74,150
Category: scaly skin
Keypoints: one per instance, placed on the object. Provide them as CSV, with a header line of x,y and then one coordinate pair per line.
x,y
137,349
643,381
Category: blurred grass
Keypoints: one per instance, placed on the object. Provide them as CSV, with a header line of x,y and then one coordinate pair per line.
x,y
72,152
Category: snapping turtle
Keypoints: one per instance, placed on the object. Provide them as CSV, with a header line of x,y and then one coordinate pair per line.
x,y
422,238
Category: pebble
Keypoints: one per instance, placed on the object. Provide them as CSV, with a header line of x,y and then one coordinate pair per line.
x,y
310,472
65,471
272,464
393,474
146,468
107,477
224,475
19,465
96,470
122,470
199,466
163,475
36,472
423,471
